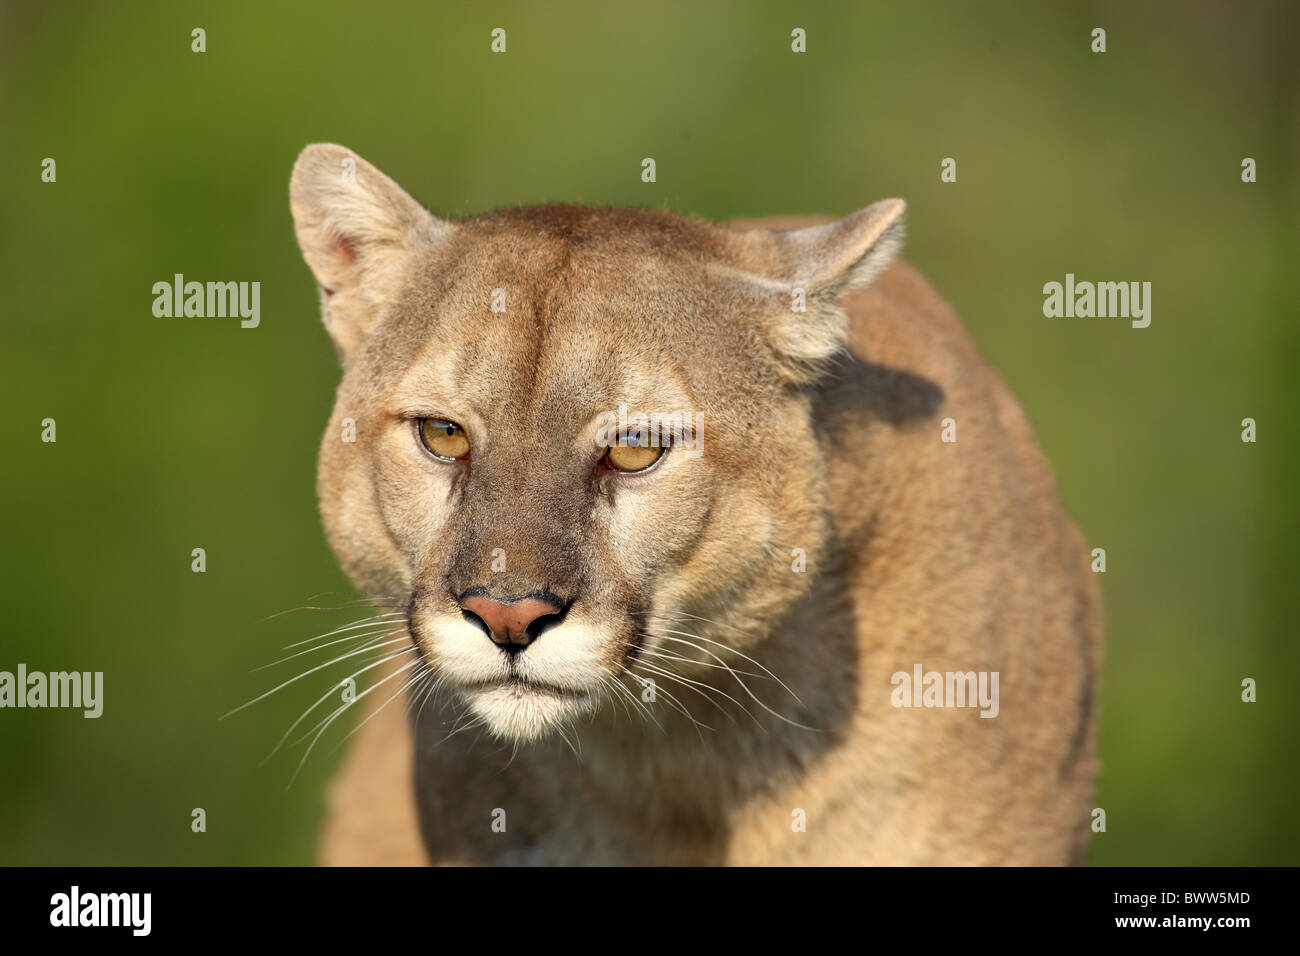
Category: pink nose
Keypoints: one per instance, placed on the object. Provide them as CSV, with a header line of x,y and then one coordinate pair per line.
x,y
509,623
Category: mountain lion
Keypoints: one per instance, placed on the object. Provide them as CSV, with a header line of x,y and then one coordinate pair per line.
x,y
707,545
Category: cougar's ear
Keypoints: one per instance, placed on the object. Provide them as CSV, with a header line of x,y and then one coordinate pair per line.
x,y
802,273
359,232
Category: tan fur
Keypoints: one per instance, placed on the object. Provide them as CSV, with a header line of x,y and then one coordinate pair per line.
x,y
821,433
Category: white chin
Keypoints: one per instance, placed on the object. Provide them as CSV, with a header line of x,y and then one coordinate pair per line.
x,y
518,711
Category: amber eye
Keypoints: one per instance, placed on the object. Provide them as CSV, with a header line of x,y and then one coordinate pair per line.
x,y
444,439
632,453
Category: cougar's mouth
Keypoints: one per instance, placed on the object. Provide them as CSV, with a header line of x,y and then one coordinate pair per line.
x,y
520,688
522,710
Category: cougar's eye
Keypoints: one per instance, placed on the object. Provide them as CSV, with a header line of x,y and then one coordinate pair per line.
x,y
443,439
631,453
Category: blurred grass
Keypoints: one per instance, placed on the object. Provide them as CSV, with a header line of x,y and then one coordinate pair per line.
x,y
196,433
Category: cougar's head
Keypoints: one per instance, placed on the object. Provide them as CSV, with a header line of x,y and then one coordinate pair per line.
x,y
567,433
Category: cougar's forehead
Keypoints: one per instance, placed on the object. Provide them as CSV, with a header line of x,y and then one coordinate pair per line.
x,y
547,336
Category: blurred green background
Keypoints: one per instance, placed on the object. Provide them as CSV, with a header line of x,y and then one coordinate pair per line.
x,y
177,434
